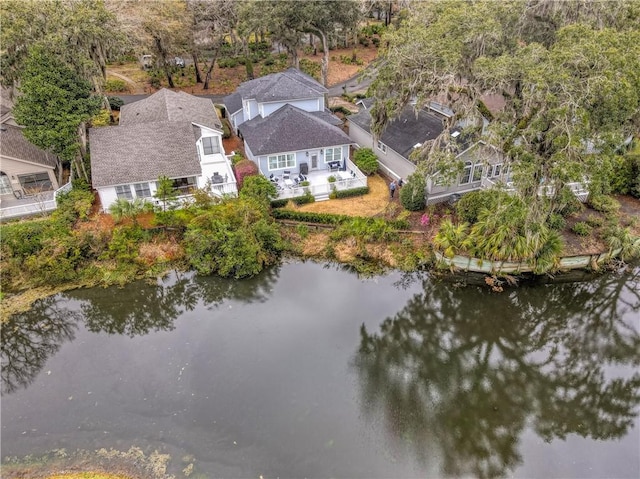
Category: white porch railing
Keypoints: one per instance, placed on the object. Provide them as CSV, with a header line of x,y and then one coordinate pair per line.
x,y
320,187
37,204
579,189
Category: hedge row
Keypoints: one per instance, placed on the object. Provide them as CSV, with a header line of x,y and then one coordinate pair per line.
x,y
330,219
363,190
298,200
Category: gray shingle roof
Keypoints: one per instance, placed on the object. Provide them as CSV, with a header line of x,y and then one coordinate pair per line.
x,y
328,117
291,84
233,103
142,152
13,144
290,129
404,132
167,105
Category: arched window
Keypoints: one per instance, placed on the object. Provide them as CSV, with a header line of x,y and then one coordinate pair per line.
x,y
5,184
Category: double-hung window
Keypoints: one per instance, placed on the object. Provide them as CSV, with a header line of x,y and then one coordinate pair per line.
x,y
124,192
466,173
279,162
477,172
333,154
210,145
497,169
142,190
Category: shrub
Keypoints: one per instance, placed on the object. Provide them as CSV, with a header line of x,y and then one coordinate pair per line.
x,y
115,84
243,169
366,160
595,221
603,203
331,179
234,239
236,158
363,190
556,221
470,205
412,193
115,102
102,118
582,229
259,188
310,68
328,218
567,202
341,109
25,238
226,129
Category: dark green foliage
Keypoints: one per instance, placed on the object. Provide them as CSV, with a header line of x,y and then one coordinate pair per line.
x,y
567,204
166,193
366,160
603,203
226,129
234,239
125,243
73,205
582,229
25,238
484,111
259,188
115,102
625,176
471,204
556,221
53,104
412,193
363,190
341,109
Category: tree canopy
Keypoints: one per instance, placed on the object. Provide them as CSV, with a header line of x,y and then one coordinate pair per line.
x,y
54,103
569,77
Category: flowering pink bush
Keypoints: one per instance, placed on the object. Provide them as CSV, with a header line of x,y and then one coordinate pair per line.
x,y
424,220
244,168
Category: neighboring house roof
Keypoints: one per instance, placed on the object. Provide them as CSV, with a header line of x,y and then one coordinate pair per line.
x,y
167,105
143,152
14,145
290,84
327,116
290,129
233,103
406,131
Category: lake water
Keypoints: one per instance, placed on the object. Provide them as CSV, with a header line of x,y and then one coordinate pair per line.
x,y
309,371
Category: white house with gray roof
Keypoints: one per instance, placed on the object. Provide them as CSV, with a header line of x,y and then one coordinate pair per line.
x,y
265,95
171,134
288,132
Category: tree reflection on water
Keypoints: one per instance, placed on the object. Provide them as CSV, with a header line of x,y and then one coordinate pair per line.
x,y
466,371
29,339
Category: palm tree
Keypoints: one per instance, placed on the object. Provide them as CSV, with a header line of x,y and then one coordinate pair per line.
x,y
124,208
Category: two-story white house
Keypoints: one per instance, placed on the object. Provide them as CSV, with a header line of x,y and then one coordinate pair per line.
x,y
170,134
288,132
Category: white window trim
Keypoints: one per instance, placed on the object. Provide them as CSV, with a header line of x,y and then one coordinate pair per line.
x,y
467,166
382,147
497,166
214,140
333,151
292,155
473,172
124,195
141,184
